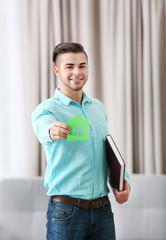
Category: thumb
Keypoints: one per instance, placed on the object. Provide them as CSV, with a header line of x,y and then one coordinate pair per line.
x,y
126,186
125,182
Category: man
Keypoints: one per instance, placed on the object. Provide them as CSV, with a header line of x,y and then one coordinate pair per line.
x,y
76,172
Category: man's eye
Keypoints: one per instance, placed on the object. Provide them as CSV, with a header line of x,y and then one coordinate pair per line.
x,y
69,67
82,66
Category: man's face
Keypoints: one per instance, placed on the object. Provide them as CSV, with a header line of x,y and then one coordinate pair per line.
x,y
72,69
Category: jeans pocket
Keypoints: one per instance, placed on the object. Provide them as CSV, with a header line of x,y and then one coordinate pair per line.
x,y
108,209
63,212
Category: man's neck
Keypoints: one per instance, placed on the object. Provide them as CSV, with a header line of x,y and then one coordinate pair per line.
x,y
74,95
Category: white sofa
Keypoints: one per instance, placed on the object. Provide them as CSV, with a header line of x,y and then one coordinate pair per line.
x,y
23,205
143,217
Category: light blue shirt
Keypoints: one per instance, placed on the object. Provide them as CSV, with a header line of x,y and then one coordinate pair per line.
x,y
74,168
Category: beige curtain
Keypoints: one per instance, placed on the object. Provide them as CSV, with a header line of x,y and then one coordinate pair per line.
x,y
126,44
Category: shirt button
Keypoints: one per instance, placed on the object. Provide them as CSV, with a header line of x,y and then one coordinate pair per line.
x,y
96,179
97,161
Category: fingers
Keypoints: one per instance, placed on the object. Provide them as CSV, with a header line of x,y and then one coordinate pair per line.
x,y
59,131
61,125
122,197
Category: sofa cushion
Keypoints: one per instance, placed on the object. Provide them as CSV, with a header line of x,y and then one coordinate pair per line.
x,y
23,205
144,215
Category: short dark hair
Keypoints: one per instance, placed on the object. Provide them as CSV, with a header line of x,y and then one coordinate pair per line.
x,y
67,47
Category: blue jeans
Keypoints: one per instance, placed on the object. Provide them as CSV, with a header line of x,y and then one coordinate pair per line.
x,y
67,222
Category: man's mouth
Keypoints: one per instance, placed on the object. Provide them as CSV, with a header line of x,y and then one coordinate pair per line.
x,y
76,79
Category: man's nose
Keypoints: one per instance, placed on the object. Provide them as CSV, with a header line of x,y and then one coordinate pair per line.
x,y
76,71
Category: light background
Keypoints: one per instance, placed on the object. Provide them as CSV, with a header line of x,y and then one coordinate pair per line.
x,y
126,44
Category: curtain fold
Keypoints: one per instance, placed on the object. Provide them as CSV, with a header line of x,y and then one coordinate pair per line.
x,y
126,45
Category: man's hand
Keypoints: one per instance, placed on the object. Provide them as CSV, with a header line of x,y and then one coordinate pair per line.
x,y
59,130
122,196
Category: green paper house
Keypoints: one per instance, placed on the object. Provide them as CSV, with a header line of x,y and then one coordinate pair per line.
x,y
79,129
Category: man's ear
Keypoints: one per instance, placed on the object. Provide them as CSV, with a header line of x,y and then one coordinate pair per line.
x,y
56,70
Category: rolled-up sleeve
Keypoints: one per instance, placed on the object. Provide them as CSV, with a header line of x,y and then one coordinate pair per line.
x,y
42,119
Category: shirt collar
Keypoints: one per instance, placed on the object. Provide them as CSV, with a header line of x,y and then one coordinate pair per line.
x,y
86,98
66,100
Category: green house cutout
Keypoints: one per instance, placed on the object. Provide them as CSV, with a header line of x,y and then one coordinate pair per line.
x,y
79,129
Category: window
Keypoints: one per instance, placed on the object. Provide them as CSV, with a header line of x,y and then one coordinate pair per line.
x,y
77,131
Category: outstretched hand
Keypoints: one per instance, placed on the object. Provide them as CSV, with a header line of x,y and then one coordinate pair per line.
x,y
59,131
122,196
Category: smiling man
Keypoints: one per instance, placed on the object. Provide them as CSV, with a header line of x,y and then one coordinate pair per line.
x,y
77,171
72,70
